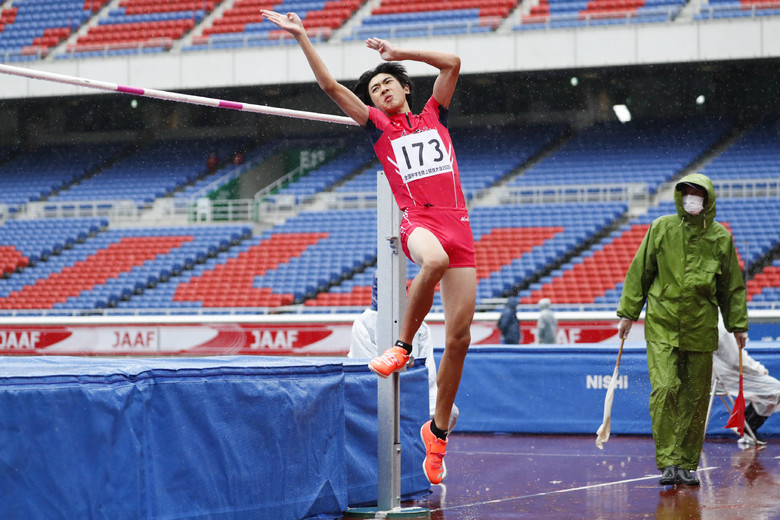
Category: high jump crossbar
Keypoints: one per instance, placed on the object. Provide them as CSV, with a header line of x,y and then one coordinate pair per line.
x,y
172,96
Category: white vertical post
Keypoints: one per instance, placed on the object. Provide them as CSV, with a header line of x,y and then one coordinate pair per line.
x,y
391,303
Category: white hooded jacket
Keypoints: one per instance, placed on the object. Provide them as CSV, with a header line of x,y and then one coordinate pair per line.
x,y
758,387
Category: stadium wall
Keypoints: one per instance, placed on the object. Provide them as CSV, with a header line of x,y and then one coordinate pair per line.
x,y
286,335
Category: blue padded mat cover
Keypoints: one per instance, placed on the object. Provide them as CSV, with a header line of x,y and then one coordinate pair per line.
x,y
233,437
217,438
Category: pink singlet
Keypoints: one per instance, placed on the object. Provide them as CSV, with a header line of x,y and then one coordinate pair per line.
x,y
419,161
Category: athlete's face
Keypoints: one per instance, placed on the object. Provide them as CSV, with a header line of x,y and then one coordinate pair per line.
x,y
387,93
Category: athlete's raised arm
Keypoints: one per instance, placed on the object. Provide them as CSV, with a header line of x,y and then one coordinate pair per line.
x,y
341,95
447,63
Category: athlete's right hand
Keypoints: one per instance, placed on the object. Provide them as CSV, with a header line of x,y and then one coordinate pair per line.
x,y
290,22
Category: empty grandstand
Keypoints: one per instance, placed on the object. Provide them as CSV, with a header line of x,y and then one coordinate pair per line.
x,y
283,219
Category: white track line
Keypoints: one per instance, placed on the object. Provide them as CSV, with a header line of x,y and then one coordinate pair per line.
x,y
560,491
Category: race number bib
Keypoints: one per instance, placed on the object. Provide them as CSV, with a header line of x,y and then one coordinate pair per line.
x,y
421,155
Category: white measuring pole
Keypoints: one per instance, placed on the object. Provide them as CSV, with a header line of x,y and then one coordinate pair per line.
x,y
391,303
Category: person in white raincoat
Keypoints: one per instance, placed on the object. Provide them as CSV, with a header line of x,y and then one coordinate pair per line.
x,y
364,345
761,391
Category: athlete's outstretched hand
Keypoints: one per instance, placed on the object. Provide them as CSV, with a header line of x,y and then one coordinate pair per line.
x,y
290,22
386,51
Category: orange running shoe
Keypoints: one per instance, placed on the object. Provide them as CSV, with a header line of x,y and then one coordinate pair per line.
x,y
435,449
393,359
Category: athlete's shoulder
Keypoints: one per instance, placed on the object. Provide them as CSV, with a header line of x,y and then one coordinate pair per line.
x,y
376,124
434,111
378,117
432,106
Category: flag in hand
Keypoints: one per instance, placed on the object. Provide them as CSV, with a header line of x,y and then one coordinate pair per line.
x,y
737,418
602,434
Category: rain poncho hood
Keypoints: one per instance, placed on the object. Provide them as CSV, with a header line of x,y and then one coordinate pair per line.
x,y
508,323
707,215
685,269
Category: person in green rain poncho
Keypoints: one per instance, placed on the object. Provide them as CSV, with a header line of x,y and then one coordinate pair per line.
x,y
685,269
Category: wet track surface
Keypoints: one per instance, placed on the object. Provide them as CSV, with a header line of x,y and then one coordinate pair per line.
x,y
554,476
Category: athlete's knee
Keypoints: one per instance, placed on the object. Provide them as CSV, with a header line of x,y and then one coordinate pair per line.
x,y
458,341
435,266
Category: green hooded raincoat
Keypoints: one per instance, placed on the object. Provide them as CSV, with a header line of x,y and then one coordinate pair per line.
x,y
685,269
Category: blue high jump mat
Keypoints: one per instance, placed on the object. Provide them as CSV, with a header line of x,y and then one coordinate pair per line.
x,y
206,438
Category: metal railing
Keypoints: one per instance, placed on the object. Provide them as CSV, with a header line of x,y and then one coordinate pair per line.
x,y
278,183
112,209
741,10
238,210
350,199
30,53
105,48
248,39
538,194
430,28
587,18
283,206
741,188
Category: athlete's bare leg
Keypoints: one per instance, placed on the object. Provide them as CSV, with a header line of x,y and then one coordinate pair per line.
x,y
429,255
459,296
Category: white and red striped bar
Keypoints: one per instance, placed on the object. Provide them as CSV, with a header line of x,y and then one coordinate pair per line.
x,y
173,96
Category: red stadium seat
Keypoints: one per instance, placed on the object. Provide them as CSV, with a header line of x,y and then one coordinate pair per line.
x,y
595,275
238,274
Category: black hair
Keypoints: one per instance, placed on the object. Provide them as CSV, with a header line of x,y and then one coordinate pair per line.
x,y
393,68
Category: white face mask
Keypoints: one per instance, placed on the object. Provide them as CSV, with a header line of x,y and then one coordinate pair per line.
x,y
693,204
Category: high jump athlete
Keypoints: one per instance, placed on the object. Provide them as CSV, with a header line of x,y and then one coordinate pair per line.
x,y
417,155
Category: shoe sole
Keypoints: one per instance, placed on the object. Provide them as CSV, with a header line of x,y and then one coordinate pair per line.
x,y
750,442
380,374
